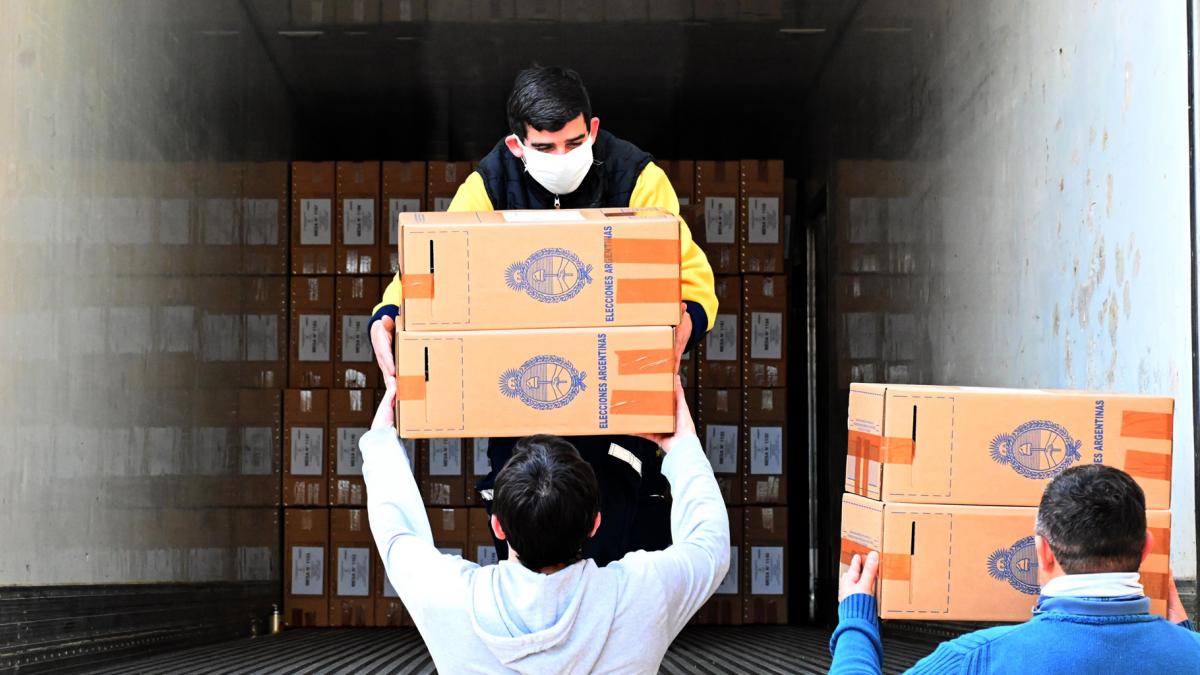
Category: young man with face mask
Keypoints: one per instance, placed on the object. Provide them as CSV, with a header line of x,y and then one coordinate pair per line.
x,y
558,157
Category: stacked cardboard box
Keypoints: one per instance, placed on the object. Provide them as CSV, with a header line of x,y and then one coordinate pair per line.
x,y
954,525
357,241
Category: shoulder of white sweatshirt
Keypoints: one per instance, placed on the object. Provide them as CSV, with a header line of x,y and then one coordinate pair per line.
x,y
507,618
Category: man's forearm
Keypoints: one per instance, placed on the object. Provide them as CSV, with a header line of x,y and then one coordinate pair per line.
x,y
698,512
394,504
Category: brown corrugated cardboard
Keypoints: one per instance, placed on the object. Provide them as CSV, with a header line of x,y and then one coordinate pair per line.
x,y
765,439
350,415
761,222
444,179
313,192
540,269
971,445
305,567
265,218
449,530
259,418
764,331
357,225
682,174
719,361
481,547
687,369
305,428
403,11
351,552
725,606
357,12
966,563
442,479
717,190
403,192
389,610
720,417
354,357
176,215
478,466
242,330
219,239
765,565
310,360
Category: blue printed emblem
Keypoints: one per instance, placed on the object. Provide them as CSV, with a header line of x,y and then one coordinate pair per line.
x,y
1039,449
543,382
1017,565
549,275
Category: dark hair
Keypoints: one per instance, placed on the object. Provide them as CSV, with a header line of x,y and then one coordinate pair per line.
x,y
1094,518
547,98
546,497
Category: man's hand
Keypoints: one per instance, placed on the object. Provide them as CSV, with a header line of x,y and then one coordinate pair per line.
x,y
860,577
383,332
1175,610
385,415
684,426
683,333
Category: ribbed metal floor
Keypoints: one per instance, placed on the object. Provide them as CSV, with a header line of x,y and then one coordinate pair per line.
x,y
700,649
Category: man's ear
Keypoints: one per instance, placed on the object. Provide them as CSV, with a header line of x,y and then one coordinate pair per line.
x,y
1149,546
496,529
595,128
1047,563
514,146
596,526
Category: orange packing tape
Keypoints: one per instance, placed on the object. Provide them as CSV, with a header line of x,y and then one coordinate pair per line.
x,y
645,361
642,403
1162,540
647,291
417,286
410,388
898,450
864,446
896,566
1152,465
850,548
1154,584
650,251
1135,424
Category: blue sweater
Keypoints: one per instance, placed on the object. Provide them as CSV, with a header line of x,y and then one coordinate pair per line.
x,y
1065,635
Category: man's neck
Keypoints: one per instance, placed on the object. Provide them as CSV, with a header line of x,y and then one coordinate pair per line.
x,y
512,555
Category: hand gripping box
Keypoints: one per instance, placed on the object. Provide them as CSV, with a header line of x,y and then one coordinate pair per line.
x,y
967,563
967,445
539,269
574,381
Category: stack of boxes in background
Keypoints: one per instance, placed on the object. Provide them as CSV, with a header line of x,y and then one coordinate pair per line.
x,y
735,213
944,482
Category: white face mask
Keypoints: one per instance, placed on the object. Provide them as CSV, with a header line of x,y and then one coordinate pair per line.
x,y
560,174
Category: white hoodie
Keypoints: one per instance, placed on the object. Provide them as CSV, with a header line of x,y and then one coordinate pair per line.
x,y
581,619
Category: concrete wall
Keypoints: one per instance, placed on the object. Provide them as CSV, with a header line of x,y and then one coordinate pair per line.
x,y
121,123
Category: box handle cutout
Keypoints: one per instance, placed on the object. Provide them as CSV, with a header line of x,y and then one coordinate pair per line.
x,y
912,537
914,432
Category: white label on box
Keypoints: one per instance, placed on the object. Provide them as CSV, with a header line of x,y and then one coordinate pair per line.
x,y
349,457
486,555
729,585
766,576
220,227
129,330
308,570
315,227
766,450
722,341
721,447
258,447
260,219
173,222
445,457
262,337
543,216
389,591
483,464
358,222
356,342
354,576
177,330
395,208
314,337
764,220
308,444
450,550
720,219
222,337
766,335
254,563
441,203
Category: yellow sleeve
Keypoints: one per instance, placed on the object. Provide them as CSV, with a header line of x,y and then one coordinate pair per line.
x,y
653,188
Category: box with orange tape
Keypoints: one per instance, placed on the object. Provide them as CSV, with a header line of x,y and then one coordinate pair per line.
x,y
571,381
967,445
539,269
967,563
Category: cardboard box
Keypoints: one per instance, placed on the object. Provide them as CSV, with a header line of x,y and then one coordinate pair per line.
x,y
720,429
762,232
265,218
971,445
389,610
540,269
687,370
719,361
259,434
765,460
725,607
305,563
479,465
403,192
481,547
313,191
350,414
242,331
310,363
966,563
444,179
442,479
764,329
354,357
764,559
357,233
449,530
351,551
573,381
218,246
305,428
403,11
682,174
718,186
357,12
